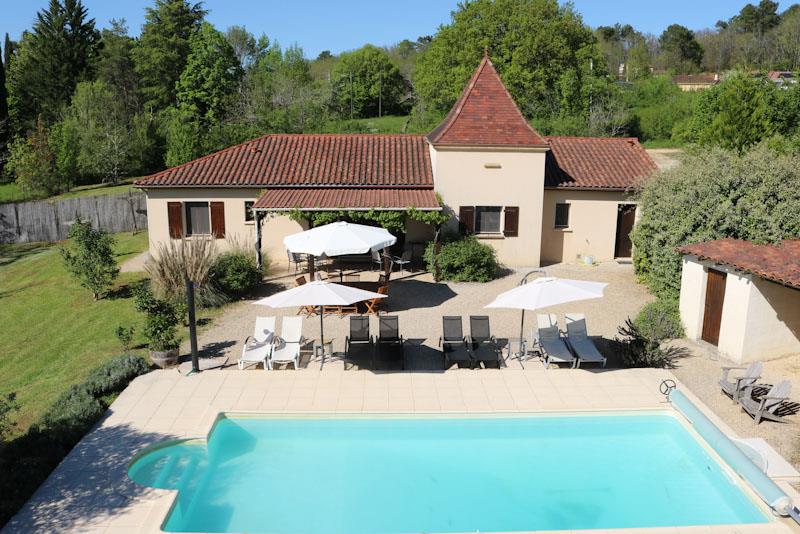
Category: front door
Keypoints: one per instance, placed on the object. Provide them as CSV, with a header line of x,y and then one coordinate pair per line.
x,y
715,295
626,218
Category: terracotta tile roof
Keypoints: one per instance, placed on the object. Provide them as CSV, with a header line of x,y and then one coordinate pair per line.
x,y
307,160
346,198
614,163
776,75
485,115
779,263
699,79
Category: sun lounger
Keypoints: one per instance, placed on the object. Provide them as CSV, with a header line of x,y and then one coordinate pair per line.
x,y
256,348
358,345
482,343
453,343
389,345
550,343
766,407
579,341
287,347
734,388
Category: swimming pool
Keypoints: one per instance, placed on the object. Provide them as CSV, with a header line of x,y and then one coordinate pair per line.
x,y
400,475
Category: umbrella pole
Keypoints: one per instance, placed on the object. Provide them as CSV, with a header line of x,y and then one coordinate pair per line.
x,y
521,332
321,335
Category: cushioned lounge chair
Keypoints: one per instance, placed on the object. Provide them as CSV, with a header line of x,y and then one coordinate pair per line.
x,y
734,387
550,343
256,348
482,343
287,348
767,406
579,341
389,345
453,343
358,345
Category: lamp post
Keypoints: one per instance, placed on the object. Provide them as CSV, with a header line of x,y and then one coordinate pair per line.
x,y
192,323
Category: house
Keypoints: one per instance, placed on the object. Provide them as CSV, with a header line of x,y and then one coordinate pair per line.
x,y
742,297
535,199
782,78
695,82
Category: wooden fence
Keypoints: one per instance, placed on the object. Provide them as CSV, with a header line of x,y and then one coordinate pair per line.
x,y
44,220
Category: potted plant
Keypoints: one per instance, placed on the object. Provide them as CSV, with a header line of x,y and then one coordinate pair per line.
x,y
160,324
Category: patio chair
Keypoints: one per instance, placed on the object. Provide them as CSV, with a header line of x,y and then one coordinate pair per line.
x,y
453,343
377,259
550,343
766,407
308,310
256,348
359,340
734,388
402,261
374,305
579,341
482,344
287,348
294,260
389,343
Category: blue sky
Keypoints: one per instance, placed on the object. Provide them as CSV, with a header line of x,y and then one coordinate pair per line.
x,y
346,24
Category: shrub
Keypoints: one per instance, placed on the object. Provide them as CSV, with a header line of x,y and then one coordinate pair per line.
x,y
90,257
463,260
72,415
642,350
660,319
8,405
125,336
177,259
235,273
114,375
161,318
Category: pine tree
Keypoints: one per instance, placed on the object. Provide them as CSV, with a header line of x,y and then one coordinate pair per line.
x,y
163,48
8,50
4,126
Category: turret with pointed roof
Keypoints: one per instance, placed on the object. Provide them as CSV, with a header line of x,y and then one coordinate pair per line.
x,y
485,115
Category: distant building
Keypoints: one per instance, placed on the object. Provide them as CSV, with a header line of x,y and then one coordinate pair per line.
x,y
695,82
782,78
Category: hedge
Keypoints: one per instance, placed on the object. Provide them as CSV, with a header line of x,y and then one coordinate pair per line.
x,y
463,260
26,461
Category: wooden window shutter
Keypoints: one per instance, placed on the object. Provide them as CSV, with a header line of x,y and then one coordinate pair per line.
x,y
175,218
466,219
511,226
218,219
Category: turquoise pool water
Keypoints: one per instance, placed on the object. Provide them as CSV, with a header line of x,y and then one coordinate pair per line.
x,y
370,476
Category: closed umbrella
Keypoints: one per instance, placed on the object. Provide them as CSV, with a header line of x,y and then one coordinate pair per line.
x,y
318,293
544,292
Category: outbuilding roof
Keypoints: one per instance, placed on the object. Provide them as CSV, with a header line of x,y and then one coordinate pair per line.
x,y
778,263
609,163
486,115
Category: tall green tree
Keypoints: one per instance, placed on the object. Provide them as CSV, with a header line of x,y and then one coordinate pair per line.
x,y
680,50
163,48
544,52
757,19
115,66
211,76
8,50
366,82
61,50
5,131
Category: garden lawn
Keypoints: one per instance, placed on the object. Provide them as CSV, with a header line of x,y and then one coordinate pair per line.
x,y
11,192
52,332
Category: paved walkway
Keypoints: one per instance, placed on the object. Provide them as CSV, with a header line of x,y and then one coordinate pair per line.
x,y
90,492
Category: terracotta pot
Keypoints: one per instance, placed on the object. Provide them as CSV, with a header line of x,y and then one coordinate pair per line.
x,y
165,358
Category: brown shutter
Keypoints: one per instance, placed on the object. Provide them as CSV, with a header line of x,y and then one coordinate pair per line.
x,y
175,218
218,219
511,226
466,219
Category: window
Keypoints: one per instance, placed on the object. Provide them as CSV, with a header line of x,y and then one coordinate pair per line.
x,y
562,216
248,211
198,218
487,219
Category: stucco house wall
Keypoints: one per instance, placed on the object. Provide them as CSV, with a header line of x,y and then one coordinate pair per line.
x,y
760,319
592,225
494,177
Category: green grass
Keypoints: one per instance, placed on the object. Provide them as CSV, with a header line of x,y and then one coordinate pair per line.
x,y
52,332
663,143
12,193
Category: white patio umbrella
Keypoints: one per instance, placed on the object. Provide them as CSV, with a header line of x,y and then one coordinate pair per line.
x,y
318,293
544,292
339,238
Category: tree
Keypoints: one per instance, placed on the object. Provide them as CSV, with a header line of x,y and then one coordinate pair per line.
x,y
324,55
714,194
211,76
8,50
682,53
618,42
60,52
544,52
757,19
246,47
115,66
367,84
5,131
89,257
33,163
163,48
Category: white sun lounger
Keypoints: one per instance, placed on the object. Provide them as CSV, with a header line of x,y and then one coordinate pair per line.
x,y
580,342
551,344
287,348
256,348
